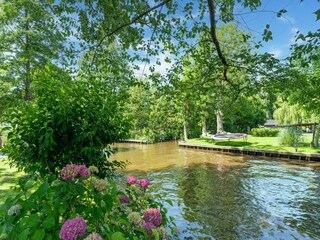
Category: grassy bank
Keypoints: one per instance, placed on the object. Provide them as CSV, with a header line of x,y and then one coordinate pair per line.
x,y
268,143
8,179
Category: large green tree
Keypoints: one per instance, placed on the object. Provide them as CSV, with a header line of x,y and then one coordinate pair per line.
x,y
29,38
246,75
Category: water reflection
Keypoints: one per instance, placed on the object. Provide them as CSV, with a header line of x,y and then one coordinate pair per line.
x,y
219,196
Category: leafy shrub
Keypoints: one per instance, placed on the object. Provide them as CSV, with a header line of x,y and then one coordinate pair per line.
x,y
264,132
79,205
291,136
69,121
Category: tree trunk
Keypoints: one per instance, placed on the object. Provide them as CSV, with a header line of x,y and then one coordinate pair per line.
x,y
313,129
219,121
27,82
185,124
316,136
204,127
185,133
27,78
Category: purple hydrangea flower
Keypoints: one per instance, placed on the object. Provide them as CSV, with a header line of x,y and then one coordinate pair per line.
x,y
131,180
69,171
84,171
144,183
153,215
73,229
124,199
94,236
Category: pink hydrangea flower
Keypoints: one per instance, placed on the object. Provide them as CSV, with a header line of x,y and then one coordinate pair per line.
x,y
69,171
144,183
131,180
124,199
94,236
73,229
153,215
147,226
84,171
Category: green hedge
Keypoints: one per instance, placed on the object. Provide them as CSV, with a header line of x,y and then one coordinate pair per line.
x,y
264,132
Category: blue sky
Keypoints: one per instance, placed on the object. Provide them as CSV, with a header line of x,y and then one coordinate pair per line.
x,y
299,17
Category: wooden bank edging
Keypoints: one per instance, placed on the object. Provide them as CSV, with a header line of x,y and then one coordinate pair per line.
x,y
134,141
253,151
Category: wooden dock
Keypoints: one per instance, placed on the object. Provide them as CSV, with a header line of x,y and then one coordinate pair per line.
x,y
255,152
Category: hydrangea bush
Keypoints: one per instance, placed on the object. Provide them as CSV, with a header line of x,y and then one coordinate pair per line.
x,y
79,205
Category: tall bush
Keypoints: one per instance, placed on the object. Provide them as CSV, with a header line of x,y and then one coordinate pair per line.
x,y
291,136
69,121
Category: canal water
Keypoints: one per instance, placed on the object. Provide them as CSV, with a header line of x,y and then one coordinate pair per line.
x,y
227,196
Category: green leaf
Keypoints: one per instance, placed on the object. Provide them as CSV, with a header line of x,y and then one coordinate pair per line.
x,y
29,184
282,11
51,178
33,221
80,189
96,213
318,14
124,222
62,209
169,202
117,236
24,234
48,237
108,200
49,222
43,189
38,234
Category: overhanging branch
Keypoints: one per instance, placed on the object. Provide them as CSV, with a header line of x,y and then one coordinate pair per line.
x,y
213,32
133,20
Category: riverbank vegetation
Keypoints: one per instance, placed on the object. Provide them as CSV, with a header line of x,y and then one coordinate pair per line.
x,y
71,85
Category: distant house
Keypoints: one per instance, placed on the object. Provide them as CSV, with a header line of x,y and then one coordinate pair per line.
x,y
270,123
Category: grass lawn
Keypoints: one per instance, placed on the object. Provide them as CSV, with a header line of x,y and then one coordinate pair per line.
x,y
269,143
8,178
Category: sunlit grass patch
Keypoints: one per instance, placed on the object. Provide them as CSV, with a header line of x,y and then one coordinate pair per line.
x,y
268,143
9,177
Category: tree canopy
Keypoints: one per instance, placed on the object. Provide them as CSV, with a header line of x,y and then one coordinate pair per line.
x,y
86,54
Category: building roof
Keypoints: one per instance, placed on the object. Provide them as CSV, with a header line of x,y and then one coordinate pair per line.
x,y
271,122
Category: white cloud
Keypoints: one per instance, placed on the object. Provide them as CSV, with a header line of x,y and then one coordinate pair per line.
x,y
287,19
162,69
277,53
294,31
